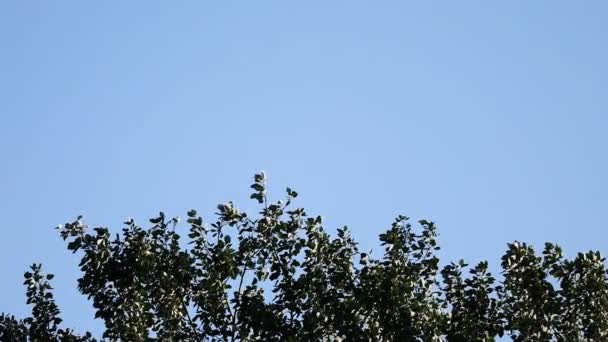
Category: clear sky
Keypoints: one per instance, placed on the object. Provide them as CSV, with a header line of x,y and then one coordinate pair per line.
x,y
490,119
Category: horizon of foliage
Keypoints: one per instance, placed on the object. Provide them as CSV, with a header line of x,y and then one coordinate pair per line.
x,y
282,277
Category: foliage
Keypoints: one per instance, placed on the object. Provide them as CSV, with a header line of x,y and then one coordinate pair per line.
x,y
43,325
282,277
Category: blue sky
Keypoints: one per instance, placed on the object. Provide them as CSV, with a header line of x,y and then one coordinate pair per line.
x,y
489,119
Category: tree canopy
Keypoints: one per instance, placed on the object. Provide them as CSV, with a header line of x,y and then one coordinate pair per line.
x,y
280,276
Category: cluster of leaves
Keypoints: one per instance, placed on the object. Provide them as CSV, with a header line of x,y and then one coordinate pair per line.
x,y
282,277
43,325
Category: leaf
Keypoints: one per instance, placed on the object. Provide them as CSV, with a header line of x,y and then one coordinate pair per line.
x,y
257,187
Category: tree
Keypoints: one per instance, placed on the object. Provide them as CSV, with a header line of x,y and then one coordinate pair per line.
x,y
282,277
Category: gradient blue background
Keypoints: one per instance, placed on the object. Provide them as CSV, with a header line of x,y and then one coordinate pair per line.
x,y
489,119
